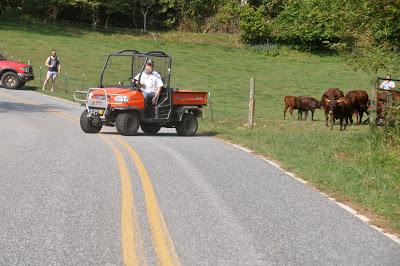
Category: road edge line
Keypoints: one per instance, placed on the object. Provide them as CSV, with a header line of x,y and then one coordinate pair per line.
x,y
347,208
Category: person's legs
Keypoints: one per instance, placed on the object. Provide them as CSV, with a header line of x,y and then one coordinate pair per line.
x,y
48,76
53,79
148,96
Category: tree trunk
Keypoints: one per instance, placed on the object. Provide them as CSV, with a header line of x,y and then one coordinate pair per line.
x,y
93,20
144,21
134,14
106,23
145,10
53,12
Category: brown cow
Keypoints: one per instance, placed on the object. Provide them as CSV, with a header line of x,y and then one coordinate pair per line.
x,y
290,104
331,94
342,109
359,99
305,104
382,97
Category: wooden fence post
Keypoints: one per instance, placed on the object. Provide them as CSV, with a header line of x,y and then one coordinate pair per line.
x,y
373,114
251,103
211,111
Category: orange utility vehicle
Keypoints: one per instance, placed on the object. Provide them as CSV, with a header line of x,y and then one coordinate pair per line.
x,y
123,106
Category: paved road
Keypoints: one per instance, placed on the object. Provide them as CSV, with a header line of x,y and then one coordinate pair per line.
x,y
69,198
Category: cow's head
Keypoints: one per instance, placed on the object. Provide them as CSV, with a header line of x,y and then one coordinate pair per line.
x,y
333,104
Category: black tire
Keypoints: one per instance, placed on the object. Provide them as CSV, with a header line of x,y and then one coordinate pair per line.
x,y
10,80
87,125
127,123
188,126
150,128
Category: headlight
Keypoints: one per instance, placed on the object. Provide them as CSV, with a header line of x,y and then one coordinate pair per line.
x,y
121,99
25,69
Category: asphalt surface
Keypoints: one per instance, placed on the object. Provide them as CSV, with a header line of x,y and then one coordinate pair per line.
x,y
63,195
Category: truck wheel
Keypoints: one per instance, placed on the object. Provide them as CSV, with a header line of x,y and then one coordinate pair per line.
x,y
188,126
150,128
127,123
10,80
87,125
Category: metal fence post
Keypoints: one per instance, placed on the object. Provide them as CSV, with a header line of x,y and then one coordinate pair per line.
x,y
40,75
83,81
65,82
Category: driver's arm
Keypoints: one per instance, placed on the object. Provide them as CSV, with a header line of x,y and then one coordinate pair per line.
x,y
135,80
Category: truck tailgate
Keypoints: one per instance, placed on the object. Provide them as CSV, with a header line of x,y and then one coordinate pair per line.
x,y
189,98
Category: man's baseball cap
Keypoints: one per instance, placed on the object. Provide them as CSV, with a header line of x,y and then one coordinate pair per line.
x,y
150,62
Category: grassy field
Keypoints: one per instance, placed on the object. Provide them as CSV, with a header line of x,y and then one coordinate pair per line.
x,y
352,165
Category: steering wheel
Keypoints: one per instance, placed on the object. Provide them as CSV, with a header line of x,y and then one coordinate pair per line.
x,y
134,84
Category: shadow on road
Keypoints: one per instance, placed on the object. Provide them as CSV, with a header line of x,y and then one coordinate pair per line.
x,y
8,107
172,134
23,88
28,88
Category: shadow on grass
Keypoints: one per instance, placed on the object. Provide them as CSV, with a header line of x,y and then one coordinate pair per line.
x,y
59,28
35,26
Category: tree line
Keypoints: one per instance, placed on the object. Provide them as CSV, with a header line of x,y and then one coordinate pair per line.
x,y
366,32
156,14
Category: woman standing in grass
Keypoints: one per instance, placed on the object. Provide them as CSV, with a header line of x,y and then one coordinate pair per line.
x,y
54,68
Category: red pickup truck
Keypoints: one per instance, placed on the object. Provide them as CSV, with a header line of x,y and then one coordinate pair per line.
x,y
13,75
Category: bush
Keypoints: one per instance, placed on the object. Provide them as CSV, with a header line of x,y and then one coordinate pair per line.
x,y
227,18
308,22
392,125
255,26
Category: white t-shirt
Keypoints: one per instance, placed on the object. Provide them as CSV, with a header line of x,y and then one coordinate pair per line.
x,y
150,82
387,85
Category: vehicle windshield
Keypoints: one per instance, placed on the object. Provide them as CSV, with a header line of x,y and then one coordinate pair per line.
x,y
2,57
120,70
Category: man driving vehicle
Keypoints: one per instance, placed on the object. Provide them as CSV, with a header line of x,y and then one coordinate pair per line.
x,y
150,83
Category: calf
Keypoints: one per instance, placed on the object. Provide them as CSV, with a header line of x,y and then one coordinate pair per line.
x,y
341,109
305,104
331,95
290,104
359,99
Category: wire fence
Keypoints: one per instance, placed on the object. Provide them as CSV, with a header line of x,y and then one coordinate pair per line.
x,y
269,48
65,82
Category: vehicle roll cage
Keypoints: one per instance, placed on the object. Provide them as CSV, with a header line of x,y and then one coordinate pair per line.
x,y
379,79
134,53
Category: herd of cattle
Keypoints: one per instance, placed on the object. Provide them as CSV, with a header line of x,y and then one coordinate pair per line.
x,y
336,105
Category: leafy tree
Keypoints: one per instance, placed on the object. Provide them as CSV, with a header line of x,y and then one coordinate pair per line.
x,y
254,24
307,22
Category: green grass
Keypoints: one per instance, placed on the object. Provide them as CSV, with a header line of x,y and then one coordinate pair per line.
x,y
351,165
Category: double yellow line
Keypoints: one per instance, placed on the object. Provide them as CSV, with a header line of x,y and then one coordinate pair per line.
x,y
132,242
